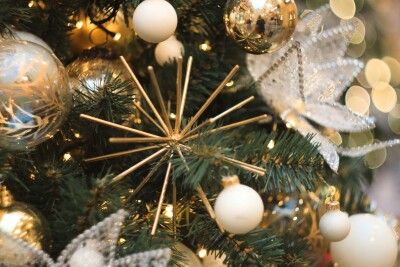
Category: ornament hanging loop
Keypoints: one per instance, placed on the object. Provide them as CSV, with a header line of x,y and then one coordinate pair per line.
x,y
228,178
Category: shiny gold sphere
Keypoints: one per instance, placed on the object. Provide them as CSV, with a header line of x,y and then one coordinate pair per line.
x,y
20,220
260,26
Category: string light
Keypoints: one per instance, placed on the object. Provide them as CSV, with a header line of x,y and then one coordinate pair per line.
x,y
205,46
117,36
202,253
79,24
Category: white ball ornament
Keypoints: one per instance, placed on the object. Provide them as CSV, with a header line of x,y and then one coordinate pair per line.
x,y
168,50
334,224
155,20
370,243
87,256
238,208
27,36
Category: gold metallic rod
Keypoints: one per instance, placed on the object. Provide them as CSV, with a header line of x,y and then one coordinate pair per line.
x,y
185,87
161,201
122,153
160,98
148,116
145,180
229,126
138,139
245,166
121,127
209,208
174,208
182,157
210,99
178,95
143,92
138,165
223,114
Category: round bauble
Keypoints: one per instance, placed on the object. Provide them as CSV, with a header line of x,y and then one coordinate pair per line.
x,y
168,51
191,259
334,224
260,26
21,221
213,260
87,256
34,94
239,208
90,74
27,36
370,243
155,20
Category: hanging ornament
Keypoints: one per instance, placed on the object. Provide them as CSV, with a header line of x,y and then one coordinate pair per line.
x,y
155,20
20,220
92,70
34,94
190,258
239,208
94,247
25,36
334,224
370,243
168,51
260,26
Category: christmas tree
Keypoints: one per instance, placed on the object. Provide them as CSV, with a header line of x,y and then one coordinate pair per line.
x,y
215,125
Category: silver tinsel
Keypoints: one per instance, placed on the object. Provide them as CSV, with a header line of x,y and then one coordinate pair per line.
x,y
305,79
104,235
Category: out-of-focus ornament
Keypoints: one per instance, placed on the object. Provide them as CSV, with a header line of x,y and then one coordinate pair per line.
x,y
213,260
90,71
260,26
20,220
305,80
26,36
155,20
239,208
370,243
34,94
87,255
101,240
190,258
334,224
168,51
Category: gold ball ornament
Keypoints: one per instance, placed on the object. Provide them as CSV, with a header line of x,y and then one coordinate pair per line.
x,y
20,220
260,26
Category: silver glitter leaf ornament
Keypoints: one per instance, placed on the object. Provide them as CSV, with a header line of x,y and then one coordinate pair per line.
x,y
101,243
305,79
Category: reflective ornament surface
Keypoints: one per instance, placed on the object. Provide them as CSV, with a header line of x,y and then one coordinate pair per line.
x,y
34,94
25,36
370,243
20,220
191,259
260,26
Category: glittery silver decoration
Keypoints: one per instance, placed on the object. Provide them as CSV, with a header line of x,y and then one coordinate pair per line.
x,y
105,235
305,79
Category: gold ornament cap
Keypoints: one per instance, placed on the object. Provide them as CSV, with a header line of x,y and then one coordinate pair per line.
x,y
6,198
332,205
230,180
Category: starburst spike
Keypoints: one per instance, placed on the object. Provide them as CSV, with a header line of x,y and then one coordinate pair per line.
x,y
137,165
122,153
174,207
160,98
185,87
161,201
145,179
121,127
178,95
221,115
209,208
137,105
144,94
210,99
138,139
229,126
245,166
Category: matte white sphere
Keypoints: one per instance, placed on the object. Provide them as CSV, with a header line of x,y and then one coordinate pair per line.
x,y
334,225
370,243
155,20
86,257
27,36
239,209
168,50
